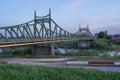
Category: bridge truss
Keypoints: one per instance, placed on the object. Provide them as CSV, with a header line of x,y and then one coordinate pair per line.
x,y
84,32
40,30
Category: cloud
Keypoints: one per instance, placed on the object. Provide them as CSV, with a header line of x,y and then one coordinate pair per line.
x,y
106,21
73,4
102,20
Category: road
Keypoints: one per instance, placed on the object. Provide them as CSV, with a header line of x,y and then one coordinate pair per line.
x,y
102,68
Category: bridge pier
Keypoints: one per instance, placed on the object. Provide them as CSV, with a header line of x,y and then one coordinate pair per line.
x,y
84,44
42,50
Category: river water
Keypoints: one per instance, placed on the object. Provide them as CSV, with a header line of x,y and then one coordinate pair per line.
x,y
110,53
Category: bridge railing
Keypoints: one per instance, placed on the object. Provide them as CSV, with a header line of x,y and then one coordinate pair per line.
x,y
28,40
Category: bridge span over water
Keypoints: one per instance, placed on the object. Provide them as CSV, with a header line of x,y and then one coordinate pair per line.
x,y
40,30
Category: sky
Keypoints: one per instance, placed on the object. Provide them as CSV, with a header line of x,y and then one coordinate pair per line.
x,y
101,15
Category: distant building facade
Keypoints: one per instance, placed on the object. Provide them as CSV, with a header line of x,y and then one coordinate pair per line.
x,y
116,37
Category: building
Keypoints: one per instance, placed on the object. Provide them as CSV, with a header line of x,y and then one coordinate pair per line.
x,y
116,37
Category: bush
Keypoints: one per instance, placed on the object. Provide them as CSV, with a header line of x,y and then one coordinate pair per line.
x,y
83,52
16,52
88,52
22,51
106,55
101,44
27,51
58,53
117,42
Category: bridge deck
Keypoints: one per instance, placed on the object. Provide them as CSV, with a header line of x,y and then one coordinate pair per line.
x,y
22,42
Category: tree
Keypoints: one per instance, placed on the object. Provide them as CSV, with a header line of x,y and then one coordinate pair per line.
x,y
101,44
109,37
102,35
27,50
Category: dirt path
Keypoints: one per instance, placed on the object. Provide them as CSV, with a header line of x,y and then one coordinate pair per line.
x,y
42,61
5,60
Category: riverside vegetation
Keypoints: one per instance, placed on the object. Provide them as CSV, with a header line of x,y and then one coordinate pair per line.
x,y
97,46
103,42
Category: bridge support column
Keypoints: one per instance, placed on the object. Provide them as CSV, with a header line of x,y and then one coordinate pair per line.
x,y
42,50
83,44
52,49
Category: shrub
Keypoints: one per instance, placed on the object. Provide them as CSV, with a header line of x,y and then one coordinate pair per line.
x,y
101,44
106,55
16,52
27,51
58,53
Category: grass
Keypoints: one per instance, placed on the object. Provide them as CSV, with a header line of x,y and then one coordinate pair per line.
x,y
26,72
6,55
81,58
30,56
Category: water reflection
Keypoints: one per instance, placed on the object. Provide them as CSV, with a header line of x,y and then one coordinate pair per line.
x,y
110,53
114,53
64,51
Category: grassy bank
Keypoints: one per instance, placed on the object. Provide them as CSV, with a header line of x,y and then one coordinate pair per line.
x,y
24,72
95,58
30,56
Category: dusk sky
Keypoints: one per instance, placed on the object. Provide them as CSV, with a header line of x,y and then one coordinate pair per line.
x,y
101,15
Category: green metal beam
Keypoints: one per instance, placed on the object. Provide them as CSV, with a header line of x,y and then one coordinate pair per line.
x,y
14,32
26,29
22,33
10,32
30,30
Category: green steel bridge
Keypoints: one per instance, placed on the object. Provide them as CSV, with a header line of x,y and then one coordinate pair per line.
x,y
38,31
